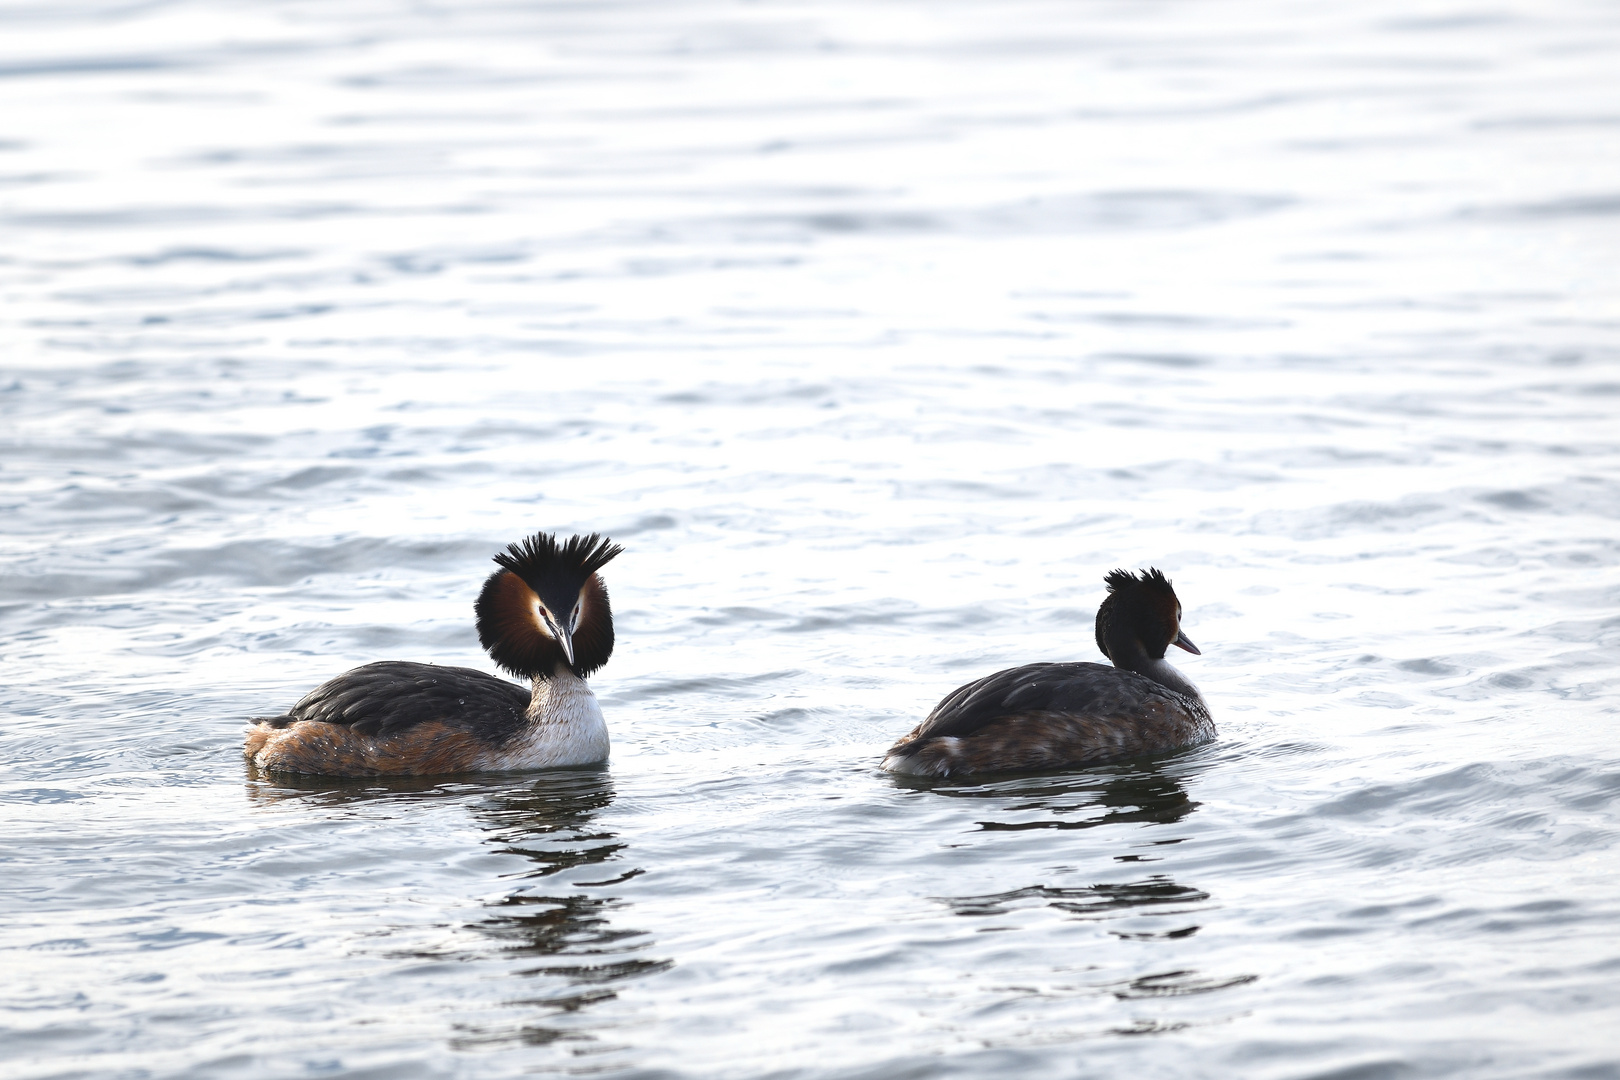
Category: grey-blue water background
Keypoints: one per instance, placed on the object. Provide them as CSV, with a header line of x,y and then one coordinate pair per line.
x,y
878,333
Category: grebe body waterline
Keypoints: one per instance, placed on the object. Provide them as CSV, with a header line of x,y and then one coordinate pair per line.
x,y
543,616
1051,716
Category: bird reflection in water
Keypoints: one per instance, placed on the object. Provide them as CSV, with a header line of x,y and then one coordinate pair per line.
x,y
564,928
1116,795
1121,795
559,927
1150,907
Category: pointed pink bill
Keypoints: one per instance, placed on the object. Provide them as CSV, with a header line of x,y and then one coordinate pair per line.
x,y
1182,642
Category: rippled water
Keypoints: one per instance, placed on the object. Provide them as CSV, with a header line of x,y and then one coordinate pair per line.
x,y
877,333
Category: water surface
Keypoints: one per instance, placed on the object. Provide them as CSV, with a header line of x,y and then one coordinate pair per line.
x,y
877,333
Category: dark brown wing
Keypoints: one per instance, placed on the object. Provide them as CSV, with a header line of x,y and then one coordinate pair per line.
x,y
395,696
1090,690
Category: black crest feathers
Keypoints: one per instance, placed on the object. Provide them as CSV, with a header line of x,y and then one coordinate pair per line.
x,y
1124,581
540,556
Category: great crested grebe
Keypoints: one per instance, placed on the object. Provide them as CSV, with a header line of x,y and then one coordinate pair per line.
x,y
543,616
1048,716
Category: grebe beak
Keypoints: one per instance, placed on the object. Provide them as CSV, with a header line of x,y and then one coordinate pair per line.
x,y
1182,642
560,633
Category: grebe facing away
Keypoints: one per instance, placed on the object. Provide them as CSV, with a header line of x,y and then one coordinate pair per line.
x,y
543,616
1048,716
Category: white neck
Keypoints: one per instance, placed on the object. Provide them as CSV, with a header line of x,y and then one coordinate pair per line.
x,y
565,726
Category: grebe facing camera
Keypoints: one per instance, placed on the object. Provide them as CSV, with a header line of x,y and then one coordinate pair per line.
x,y
544,616
1050,716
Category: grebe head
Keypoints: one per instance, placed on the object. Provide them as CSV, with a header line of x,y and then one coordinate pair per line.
x,y
1140,618
547,606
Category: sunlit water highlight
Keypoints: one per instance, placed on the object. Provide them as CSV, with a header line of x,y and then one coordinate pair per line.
x,y
877,333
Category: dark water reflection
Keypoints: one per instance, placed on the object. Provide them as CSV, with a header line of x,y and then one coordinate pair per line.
x,y
1091,902
1153,794
1146,908
562,934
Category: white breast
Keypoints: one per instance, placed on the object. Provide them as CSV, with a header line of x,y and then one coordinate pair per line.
x,y
565,728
